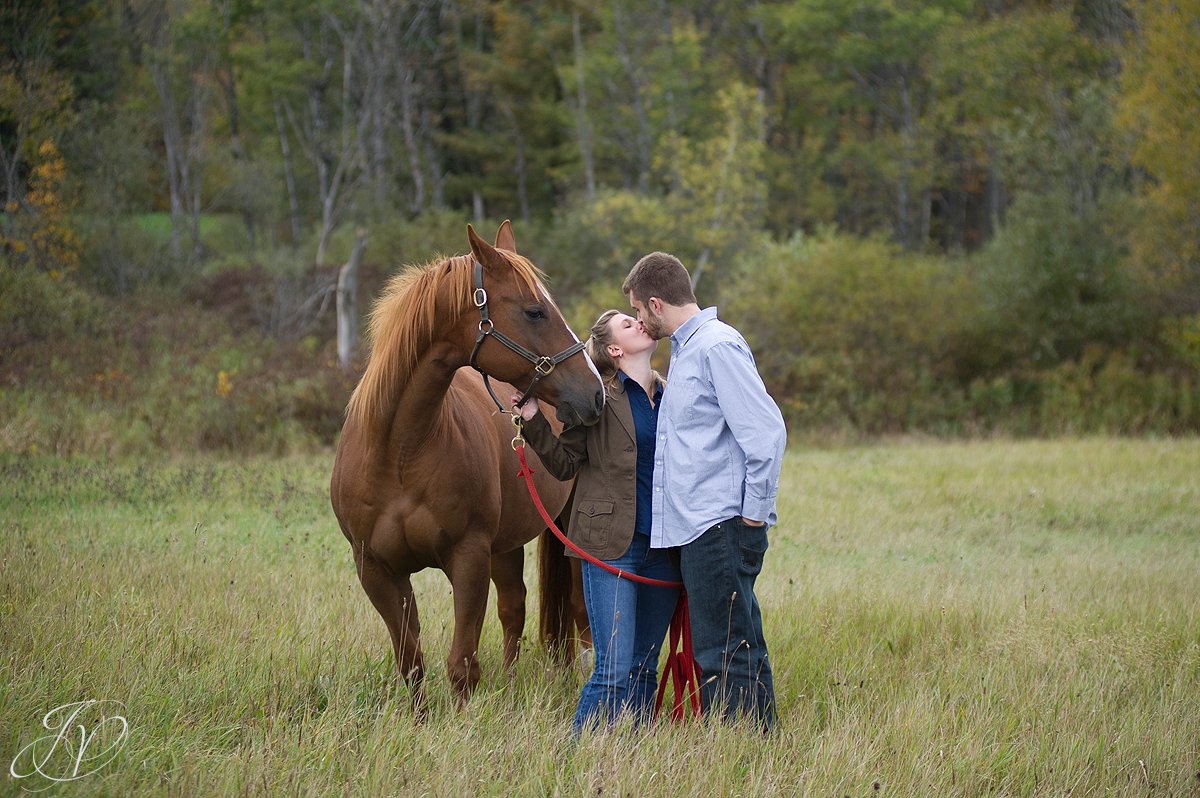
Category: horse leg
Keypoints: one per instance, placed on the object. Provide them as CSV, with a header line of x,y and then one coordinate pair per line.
x,y
393,598
468,571
508,576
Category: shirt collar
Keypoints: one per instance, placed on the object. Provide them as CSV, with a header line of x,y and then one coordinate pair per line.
x,y
625,378
686,330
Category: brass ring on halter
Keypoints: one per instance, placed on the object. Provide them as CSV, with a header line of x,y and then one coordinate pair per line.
x,y
489,324
544,366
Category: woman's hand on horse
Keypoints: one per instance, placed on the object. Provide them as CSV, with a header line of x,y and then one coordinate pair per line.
x,y
526,411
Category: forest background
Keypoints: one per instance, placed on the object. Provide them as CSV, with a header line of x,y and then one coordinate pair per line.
x,y
955,217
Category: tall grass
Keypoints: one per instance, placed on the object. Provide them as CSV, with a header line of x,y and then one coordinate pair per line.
x,y
944,619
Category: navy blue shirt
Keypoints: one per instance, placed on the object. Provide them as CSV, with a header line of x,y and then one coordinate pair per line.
x,y
645,425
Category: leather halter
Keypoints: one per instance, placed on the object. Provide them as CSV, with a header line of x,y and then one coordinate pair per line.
x,y
542,366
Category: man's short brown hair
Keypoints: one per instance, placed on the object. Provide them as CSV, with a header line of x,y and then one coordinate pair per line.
x,y
660,274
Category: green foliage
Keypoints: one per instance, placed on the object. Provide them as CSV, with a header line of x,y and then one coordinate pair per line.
x,y
598,241
859,110
646,79
849,331
399,241
220,159
81,376
1158,106
512,140
711,208
1035,339
37,309
1102,392
1021,93
36,96
1182,336
1054,281
716,193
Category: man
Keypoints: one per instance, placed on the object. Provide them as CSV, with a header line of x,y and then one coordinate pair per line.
x,y
720,446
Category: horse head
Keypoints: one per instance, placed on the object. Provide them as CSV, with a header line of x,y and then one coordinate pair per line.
x,y
517,307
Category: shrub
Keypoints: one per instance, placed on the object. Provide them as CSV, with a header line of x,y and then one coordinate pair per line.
x,y
1052,282
120,256
36,307
852,331
597,242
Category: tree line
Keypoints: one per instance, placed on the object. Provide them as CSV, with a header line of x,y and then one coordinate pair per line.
x,y
1042,153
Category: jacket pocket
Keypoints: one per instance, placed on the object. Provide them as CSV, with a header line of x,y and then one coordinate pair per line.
x,y
591,524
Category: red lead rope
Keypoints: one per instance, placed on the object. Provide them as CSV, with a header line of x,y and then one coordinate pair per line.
x,y
681,667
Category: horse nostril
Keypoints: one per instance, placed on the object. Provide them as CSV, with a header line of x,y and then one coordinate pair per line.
x,y
598,402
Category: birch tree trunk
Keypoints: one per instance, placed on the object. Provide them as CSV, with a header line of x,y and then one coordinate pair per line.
x,y
171,146
378,67
347,302
408,127
289,176
183,158
907,166
335,152
472,98
519,168
583,125
644,141
718,203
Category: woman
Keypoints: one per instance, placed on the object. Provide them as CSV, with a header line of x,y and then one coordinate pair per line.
x,y
614,465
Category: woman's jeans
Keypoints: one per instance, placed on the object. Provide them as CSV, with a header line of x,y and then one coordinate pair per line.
x,y
719,570
629,621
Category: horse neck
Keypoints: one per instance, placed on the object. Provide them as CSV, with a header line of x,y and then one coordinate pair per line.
x,y
420,402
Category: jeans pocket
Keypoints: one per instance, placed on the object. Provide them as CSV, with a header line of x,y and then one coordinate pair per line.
x,y
752,543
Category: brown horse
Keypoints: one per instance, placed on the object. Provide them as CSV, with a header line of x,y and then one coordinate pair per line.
x,y
424,475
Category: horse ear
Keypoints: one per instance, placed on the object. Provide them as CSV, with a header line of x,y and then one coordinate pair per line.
x,y
482,250
505,238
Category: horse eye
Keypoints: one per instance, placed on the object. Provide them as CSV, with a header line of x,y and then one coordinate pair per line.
x,y
535,314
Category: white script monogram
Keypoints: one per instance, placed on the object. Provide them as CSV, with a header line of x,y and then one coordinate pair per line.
x,y
85,736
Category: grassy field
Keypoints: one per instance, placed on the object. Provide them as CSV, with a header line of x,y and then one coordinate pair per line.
x,y
945,619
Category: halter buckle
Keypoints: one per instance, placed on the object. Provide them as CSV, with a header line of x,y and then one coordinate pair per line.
x,y
479,297
544,366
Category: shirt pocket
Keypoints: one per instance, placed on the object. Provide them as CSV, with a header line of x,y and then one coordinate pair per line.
x,y
591,523
680,396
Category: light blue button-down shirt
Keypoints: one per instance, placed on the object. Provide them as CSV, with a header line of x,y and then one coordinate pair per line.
x,y
720,435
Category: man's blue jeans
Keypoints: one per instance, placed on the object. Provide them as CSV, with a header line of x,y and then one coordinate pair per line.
x,y
719,570
629,622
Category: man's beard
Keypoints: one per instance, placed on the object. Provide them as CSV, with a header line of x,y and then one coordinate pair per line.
x,y
653,325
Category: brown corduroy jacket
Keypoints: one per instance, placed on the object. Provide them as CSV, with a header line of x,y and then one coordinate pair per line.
x,y
603,460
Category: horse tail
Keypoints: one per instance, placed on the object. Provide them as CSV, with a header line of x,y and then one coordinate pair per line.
x,y
554,575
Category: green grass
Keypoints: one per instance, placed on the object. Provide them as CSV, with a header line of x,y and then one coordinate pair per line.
x,y
159,224
944,619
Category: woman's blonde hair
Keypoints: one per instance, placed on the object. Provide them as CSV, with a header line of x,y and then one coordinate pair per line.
x,y
600,337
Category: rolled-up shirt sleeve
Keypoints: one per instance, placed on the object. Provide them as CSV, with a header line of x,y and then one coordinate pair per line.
x,y
755,421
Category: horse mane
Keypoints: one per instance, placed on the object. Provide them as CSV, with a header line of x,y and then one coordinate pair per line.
x,y
405,320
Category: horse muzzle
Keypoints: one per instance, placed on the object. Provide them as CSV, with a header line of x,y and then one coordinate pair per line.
x,y
580,408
